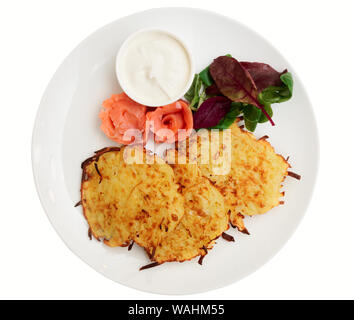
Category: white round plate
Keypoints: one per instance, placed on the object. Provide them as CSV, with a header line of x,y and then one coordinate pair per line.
x,y
67,132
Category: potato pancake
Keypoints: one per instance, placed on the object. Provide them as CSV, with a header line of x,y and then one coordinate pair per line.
x,y
123,201
205,219
254,172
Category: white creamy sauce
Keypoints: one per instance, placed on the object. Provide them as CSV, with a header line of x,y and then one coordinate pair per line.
x,y
154,68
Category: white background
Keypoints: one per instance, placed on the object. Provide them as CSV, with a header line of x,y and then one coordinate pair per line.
x,y
315,36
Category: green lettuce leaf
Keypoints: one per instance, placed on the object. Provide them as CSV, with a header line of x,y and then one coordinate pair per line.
x,y
193,95
251,125
206,77
251,115
278,94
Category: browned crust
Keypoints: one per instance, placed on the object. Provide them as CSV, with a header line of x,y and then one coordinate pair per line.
x,y
242,230
294,175
131,245
245,231
227,237
79,203
200,260
97,155
126,244
264,137
150,265
202,256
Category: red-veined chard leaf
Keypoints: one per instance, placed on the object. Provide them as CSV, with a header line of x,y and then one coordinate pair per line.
x,y
235,82
272,86
263,75
206,77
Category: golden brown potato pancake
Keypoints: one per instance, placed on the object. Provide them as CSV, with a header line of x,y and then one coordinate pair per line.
x,y
254,180
205,219
124,202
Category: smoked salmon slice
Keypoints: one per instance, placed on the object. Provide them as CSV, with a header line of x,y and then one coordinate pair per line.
x,y
170,123
119,114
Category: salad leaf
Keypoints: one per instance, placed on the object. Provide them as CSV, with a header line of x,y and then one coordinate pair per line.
x,y
251,115
191,91
213,90
287,79
235,82
278,94
228,88
193,95
202,97
229,119
206,77
263,75
211,111
251,125
269,110
272,86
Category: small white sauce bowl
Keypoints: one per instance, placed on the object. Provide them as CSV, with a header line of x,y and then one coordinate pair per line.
x,y
120,75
